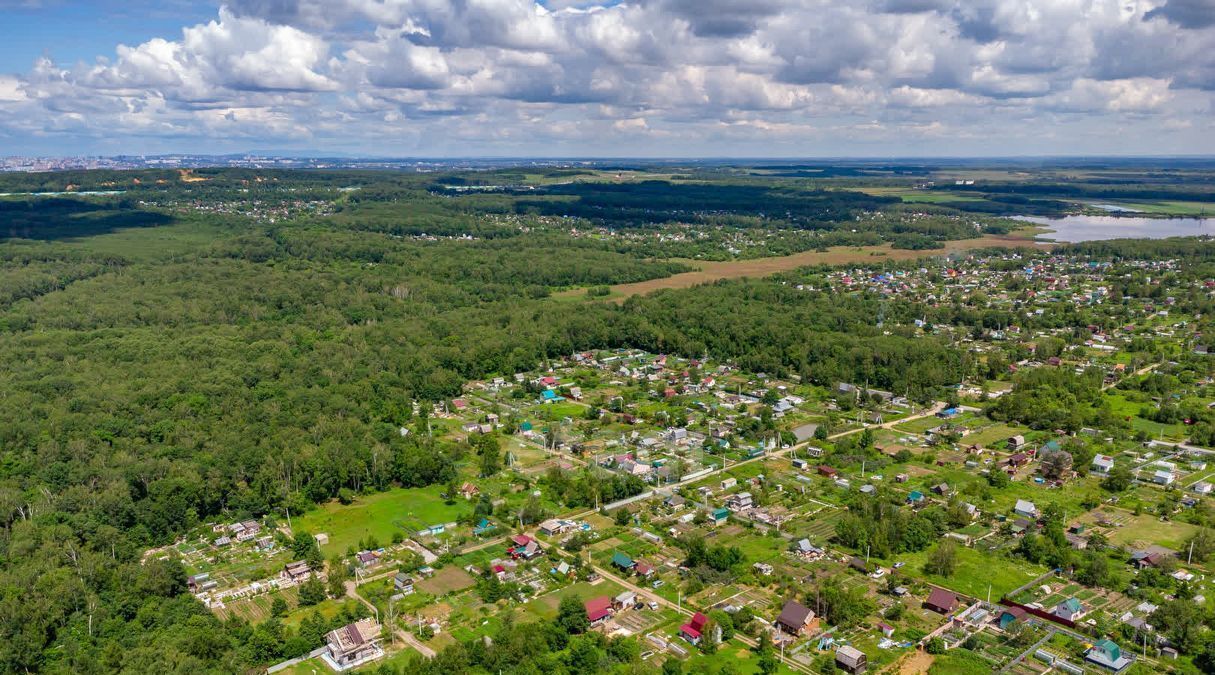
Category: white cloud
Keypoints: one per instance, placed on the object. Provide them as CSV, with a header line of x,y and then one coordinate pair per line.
x,y
608,74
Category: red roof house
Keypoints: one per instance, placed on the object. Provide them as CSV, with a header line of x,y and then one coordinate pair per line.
x,y
598,609
692,630
941,600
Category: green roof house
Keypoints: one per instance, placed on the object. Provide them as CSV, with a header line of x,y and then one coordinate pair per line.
x,y
1107,655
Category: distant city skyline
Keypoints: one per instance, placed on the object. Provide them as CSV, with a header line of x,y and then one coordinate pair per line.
x,y
586,78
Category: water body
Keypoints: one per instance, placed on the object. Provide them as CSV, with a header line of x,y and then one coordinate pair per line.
x,y
86,193
1072,229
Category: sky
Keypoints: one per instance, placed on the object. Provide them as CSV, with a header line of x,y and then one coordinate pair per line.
x,y
608,78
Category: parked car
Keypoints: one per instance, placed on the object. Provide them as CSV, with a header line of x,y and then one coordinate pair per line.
x,y
657,583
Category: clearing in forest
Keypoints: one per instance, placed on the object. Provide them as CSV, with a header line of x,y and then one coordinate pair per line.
x,y
710,271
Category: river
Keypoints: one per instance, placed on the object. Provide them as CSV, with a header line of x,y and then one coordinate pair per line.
x,y
1093,228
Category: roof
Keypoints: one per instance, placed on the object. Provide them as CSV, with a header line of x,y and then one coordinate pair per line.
x,y
621,560
805,546
941,599
794,615
597,608
695,626
1071,605
849,655
1024,506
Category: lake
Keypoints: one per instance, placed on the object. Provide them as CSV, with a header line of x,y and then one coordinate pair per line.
x,y
1093,228
85,193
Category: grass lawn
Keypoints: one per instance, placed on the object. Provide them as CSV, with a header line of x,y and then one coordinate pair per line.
x,y
735,652
1151,530
545,606
309,667
1125,408
379,515
996,432
447,580
328,609
1069,497
1169,208
960,662
975,571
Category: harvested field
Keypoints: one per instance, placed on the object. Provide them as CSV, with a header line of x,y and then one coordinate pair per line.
x,y
447,580
710,271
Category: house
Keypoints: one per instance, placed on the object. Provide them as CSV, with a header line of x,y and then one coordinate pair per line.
x,y
246,530
915,497
468,491
353,645
623,562
553,527
886,629
1163,477
598,609
1069,610
941,489
1076,541
941,601
674,502
1025,509
643,569
1144,559
1202,487
368,558
1016,442
625,600
829,472
859,564
850,660
1103,463
403,583
763,568
1018,460
693,630
795,618
739,502
807,551
296,571
1010,616
1106,654
523,546
719,516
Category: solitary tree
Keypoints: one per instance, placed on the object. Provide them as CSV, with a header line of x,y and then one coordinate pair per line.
x,y
943,559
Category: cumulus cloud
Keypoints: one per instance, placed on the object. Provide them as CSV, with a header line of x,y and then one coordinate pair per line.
x,y
1186,13
606,74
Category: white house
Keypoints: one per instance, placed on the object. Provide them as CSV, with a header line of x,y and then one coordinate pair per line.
x,y
1163,477
1069,610
1103,463
1025,509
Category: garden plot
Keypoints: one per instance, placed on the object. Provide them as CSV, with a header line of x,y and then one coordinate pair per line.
x,y
450,579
